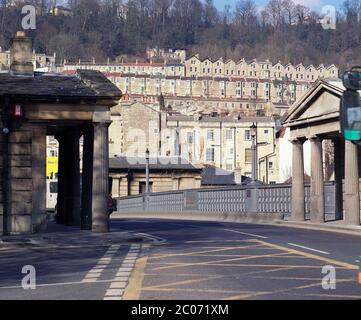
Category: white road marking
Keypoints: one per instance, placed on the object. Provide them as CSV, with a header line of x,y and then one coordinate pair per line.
x,y
246,234
307,248
120,281
94,274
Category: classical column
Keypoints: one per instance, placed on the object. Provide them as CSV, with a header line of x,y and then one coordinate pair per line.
x,y
100,216
351,190
87,178
72,181
39,214
317,193
61,204
339,167
298,184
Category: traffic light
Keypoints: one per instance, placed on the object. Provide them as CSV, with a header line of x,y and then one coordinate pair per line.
x,y
350,113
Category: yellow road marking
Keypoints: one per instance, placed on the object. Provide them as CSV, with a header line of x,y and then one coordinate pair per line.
x,y
249,295
134,288
212,263
311,256
198,290
181,282
200,252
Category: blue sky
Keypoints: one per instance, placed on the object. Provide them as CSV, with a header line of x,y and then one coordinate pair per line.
x,y
314,4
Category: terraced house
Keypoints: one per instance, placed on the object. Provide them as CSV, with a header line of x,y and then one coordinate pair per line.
x,y
254,87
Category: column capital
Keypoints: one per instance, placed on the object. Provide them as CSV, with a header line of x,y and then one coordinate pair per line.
x,y
315,138
104,124
297,140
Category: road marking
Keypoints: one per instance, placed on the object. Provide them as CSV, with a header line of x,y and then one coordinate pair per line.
x,y
133,291
94,274
246,234
342,264
307,248
117,286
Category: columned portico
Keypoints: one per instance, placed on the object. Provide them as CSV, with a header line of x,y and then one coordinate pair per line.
x,y
351,189
72,184
317,179
100,217
316,116
34,105
87,178
298,189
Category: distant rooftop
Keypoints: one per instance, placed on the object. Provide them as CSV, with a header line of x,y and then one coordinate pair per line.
x,y
158,163
84,84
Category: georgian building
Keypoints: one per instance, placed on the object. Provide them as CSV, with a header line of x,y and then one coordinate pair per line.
x,y
273,86
222,142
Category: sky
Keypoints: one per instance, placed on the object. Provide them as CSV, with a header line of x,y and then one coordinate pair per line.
x,y
313,4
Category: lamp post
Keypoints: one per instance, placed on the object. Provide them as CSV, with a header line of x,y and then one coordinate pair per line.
x,y
147,171
254,152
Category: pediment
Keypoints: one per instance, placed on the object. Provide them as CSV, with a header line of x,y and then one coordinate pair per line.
x,y
321,100
324,104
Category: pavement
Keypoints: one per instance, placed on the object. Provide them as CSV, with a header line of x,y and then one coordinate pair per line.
x,y
156,259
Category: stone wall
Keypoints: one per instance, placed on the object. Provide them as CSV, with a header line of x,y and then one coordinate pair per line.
x,y
26,197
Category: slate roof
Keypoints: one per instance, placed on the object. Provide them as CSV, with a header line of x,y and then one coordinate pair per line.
x,y
212,176
84,84
159,163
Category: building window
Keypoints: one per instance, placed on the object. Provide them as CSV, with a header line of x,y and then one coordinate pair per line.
x,y
210,135
270,165
248,156
229,134
229,167
266,132
190,137
210,155
142,187
247,135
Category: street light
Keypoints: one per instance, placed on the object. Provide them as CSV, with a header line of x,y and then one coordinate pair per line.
x,y
147,190
254,152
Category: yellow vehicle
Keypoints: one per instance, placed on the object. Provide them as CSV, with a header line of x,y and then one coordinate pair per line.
x,y
52,168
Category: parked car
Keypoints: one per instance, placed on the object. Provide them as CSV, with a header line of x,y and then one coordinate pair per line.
x,y
111,205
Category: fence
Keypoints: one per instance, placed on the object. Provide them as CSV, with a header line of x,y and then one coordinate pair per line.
x,y
243,199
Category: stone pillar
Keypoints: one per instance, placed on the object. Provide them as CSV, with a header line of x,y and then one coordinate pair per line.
x,y
351,192
100,216
87,178
39,214
298,184
72,180
339,166
61,204
20,188
317,182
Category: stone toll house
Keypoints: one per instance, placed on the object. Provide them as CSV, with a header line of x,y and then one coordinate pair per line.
x,y
36,105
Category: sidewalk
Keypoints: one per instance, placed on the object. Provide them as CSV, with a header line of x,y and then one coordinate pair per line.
x,y
59,236
332,226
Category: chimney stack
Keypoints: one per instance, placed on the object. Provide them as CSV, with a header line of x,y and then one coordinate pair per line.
x,y
21,55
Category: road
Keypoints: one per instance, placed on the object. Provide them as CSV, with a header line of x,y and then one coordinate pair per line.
x,y
190,260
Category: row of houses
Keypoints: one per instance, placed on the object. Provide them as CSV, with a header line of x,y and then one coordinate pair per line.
x,y
262,85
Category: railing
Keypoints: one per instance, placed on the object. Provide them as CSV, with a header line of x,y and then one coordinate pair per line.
x,y
243,199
